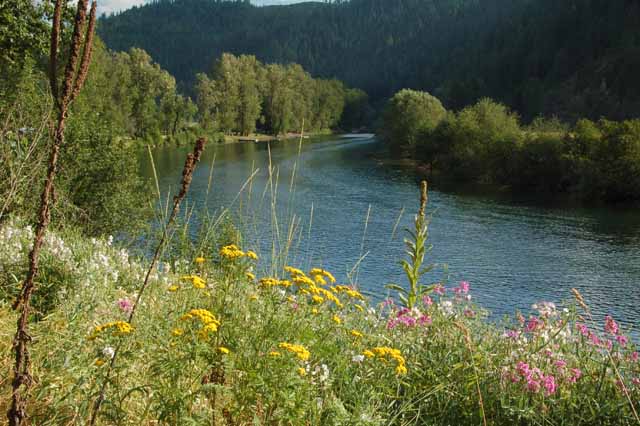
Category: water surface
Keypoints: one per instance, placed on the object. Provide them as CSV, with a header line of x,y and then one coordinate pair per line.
x,y
345,205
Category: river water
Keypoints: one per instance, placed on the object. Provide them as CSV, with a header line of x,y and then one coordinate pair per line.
x,y
349,212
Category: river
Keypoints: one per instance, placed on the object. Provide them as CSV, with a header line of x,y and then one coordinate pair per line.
x,y
345,206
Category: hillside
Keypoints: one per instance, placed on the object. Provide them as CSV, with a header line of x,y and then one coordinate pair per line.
x,y
570,58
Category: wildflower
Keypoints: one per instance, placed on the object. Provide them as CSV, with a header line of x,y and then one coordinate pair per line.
x,y
252,255
401,369
368,354
300,351
534,324
439,289
549,383
250,276
200,260
634,357
302,372
582,328
294,272
108,352
386,353
337,319
427,301
120,328
173,288
99,362
274,354
125,305
317,299
322,371
469,313
462,289
317,272
177,332
253,297
533,386
446,307
209,322
576,373
195,280
357,358
223,350
561,363
622,340
231,252
358,307
315,311
610,326
356,334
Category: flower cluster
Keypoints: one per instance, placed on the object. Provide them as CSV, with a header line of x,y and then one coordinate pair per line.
x,y
120,328
300,351
195,280
409,318
209,322
385,354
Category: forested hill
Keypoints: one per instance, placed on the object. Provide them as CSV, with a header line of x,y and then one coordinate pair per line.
x,y
565,57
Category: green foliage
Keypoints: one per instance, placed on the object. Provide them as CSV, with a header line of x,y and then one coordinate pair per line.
x,y
409,116
169,372
243,94
459,50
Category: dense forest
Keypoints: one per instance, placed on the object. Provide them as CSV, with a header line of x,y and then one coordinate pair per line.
x,y
567,58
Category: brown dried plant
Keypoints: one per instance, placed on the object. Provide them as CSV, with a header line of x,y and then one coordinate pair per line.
x,y
187,176
74,78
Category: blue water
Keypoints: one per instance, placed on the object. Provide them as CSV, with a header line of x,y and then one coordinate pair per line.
x,y
513,253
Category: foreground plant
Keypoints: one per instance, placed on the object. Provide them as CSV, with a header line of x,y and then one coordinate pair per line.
x,y
417,248
74,78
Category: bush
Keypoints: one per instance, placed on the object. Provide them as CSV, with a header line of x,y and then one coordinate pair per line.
x,y
408,116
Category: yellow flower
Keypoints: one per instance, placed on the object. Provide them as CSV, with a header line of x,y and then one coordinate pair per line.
x,y
223,350
294,271
386,353
368,354
252,255
315,311
322,272
99,362
251,276
300,351
177,331
200,260
173,288
253,297
356,333
358,307
302,372
209,322
401,369
195,280
275,354
337,319
120,328
317,299
231,252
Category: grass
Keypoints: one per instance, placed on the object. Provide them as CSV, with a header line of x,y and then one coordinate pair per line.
x,y
348,359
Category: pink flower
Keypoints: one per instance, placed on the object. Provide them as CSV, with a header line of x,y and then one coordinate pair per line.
x,y
610,326
439,289
622,340
561,363
512,334
533,324
576,373
463,288
469,313
594,339
549,383
426,301
635,381
582,329
523,368
634,357
125,305
425,320
533,386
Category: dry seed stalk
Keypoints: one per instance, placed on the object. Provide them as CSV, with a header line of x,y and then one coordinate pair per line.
x,y
21,375
187,177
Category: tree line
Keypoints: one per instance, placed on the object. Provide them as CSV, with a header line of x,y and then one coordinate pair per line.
x,y
486,143
241,95
567,58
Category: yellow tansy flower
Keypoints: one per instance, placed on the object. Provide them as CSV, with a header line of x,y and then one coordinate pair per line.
x,y
302,372
200,260
252,255
177,331
99,362
223,350
337,319
356,333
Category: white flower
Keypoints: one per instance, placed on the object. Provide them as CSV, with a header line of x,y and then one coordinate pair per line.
x,y
108,352
358,358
